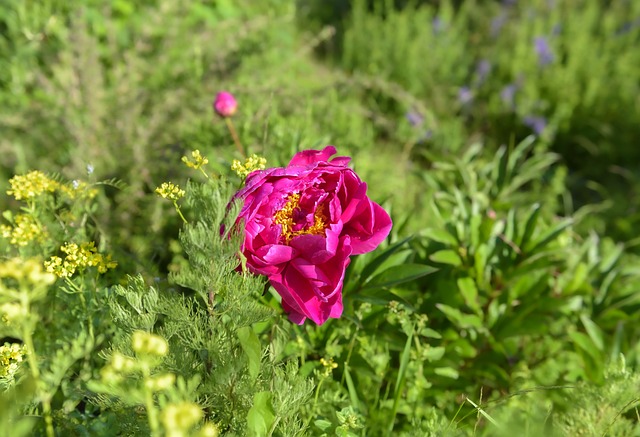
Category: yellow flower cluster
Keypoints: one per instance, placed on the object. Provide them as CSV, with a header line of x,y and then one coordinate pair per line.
x,y
170,191
146,343
11,355
252,163
78,257
78,190
31,185
198,160
179,418
29,269
24,230
328,365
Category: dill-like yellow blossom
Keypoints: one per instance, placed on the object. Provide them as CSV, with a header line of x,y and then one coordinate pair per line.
x,y
31,185
11,355
78,257
179,418
170,191
328,365
198,160
149,344
25,229
252,163
160,382
11,311
29,269
209,430
78,190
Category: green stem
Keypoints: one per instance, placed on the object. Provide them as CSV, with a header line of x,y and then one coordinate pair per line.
x,y
148,400
235,137
315,403
184,220
35,373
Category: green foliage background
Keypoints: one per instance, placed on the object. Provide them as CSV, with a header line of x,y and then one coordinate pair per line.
x,y
501,136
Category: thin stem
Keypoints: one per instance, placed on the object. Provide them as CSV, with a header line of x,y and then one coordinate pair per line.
x,y
234,135
35,373
148,400
315,403
184,220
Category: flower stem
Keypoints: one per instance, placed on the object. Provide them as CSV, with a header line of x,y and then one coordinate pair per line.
x,y
184,220
35,373
234,135
148,400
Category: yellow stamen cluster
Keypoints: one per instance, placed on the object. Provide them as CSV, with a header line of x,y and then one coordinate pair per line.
x,y
284,218
170,191
31,185
252,163
198,160
11,355
25,229
78,257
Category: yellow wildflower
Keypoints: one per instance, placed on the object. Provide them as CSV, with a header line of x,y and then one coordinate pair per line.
x,y
252,163
11,355
170,191
179,418
198,160
78,257
25,229
31,185
149,344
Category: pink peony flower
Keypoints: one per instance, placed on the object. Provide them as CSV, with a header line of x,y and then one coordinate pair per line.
x,y
302,223
225,104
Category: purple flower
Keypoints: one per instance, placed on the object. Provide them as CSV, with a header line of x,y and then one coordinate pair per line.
x,y
543,50
497,24
302,223
508,94
414,118
483,69
438,25
465,95
537,123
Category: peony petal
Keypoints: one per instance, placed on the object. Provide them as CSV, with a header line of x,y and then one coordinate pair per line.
x,y
368,229
307,157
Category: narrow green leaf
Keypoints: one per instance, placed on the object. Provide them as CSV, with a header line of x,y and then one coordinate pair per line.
x,y
353,393
450,257
550,235
397,275
261,415
441,236
370,268
459,318
447,372
402,371
251,347
594,331
530,226
469,291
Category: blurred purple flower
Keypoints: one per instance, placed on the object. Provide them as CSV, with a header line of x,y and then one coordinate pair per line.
x,y
497,24
509,2
628,27
465,95
483,69
508,94
545,55
414,118
536,123
438,25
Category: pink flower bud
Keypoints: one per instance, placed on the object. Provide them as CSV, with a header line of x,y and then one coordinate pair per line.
x,y
225,104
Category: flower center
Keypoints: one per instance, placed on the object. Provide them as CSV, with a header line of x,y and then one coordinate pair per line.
x,y
294,221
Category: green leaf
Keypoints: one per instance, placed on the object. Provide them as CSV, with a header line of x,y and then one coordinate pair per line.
x,y
251,346
530,226
397,275
450,257
434,353
594,331
469,291
353,393
447,372
459,318
322,424
261,416
549,236
370,268
441,236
